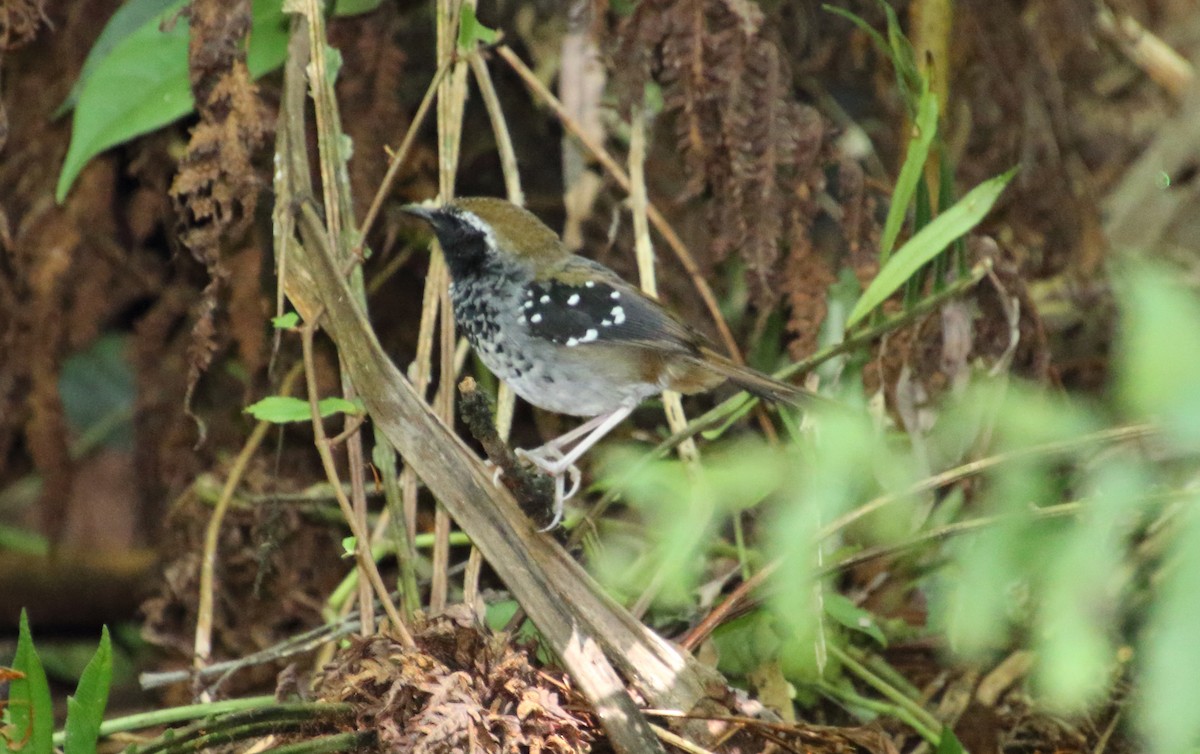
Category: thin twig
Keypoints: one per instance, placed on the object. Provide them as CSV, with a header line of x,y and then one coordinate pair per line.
x,y
504,144
204,612
678,741
357,527
299,644
644,249
396,159
452,97
1116,434
335,188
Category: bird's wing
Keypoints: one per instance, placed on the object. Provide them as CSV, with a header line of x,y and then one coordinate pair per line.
x,y
583,302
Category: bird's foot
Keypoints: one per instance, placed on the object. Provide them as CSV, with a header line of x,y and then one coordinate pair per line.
x,y
549,459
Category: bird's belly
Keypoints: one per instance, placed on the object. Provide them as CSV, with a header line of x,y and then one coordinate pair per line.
x,y
562,383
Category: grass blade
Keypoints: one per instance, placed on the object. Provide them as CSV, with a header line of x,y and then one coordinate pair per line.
x,y
929,242
30,712
85,710
910,172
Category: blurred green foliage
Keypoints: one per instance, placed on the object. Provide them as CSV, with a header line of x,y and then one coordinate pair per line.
x,y
1087,548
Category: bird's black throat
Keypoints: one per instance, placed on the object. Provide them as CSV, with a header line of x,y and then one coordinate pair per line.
x,y
464,246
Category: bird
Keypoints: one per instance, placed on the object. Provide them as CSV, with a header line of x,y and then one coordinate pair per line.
x,y
568,334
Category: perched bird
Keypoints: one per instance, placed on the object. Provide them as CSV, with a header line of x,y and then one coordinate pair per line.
x,y
566,333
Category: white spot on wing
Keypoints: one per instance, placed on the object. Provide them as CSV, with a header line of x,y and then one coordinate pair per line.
x,y
615,295
572,342
618,315
590,284
545,299
574,299
606,322
591,334
529,304
535,318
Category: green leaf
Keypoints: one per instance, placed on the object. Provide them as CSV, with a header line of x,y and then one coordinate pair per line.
x,y
285,321
30,712
85,710
853,617
896,47
910,172
129,18
471,32
1158,343
929,242
142,83
331,406
948,743
1168,648
349,545
281,409
904,59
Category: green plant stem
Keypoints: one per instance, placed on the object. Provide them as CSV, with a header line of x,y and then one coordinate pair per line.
x,y
270,718
328,744
928,724
226,735
175,715
884,670
849,696
944,532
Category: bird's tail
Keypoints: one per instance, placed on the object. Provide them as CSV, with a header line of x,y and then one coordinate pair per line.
x,y
753,381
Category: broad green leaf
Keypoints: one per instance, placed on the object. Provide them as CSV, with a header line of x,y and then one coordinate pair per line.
x,y
142,84
910,172
471,32
929,242
281,409
85,710
129,18
30,712
285,321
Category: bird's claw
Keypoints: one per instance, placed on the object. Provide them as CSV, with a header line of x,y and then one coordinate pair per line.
x,y
497,471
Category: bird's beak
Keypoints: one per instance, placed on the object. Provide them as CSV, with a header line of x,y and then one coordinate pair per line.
x,y
421,211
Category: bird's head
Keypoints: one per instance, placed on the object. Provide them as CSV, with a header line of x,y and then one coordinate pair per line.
x,y
474,231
